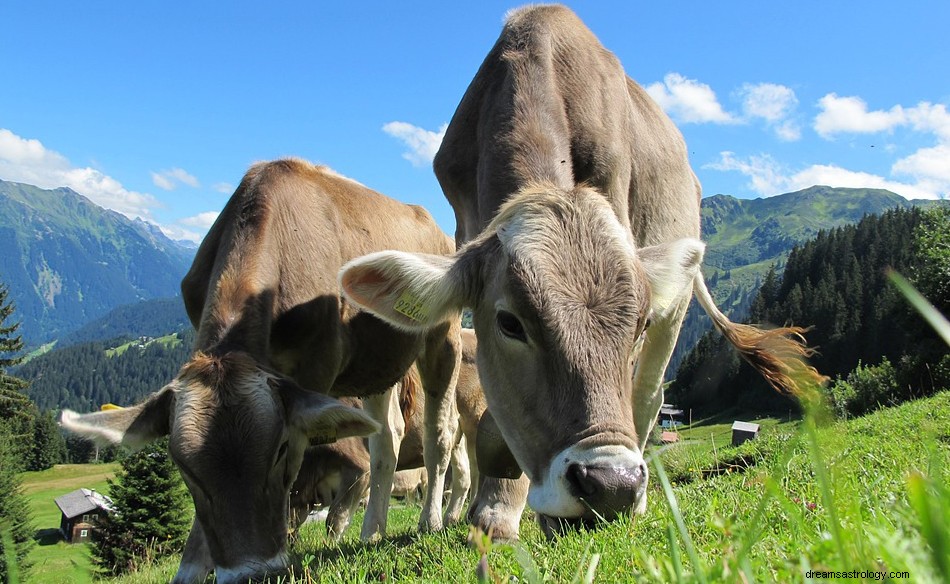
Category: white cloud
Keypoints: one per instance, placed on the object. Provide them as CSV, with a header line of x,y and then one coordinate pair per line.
x,y
774,104
422,143
765,174
929,118
768,101
201,220
689,101
930,167
767,177
178,233
171,178
223,187
788,131
841,115
28,161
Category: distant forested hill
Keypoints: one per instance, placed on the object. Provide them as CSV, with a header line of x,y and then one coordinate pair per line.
x,y
68,261
836,283
85,376
152,318
746,237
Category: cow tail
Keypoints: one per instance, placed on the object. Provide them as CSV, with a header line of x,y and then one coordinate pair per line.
x,y
780,355
409,388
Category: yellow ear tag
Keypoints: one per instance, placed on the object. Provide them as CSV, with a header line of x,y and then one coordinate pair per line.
x,y
328,437
411,306
108,407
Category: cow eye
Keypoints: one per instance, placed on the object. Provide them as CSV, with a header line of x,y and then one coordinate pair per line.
x,y
510,326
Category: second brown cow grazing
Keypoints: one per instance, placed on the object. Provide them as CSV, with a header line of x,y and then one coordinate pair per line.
x,y
274,339
337,475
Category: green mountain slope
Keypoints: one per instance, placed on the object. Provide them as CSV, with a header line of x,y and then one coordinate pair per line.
x,y
745,237
67,261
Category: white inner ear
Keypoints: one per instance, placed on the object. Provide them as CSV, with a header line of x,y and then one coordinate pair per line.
x,y
671,269
407,290
73,422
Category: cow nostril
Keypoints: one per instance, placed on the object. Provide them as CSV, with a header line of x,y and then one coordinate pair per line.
x,y
580,480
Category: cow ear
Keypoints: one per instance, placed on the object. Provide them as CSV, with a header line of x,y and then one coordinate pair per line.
x,y
134,426
409,291
671,268
324,419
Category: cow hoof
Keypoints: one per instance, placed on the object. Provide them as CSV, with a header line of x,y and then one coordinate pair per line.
x,y
500,529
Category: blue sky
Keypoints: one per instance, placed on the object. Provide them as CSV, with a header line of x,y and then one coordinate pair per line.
x,y
156,109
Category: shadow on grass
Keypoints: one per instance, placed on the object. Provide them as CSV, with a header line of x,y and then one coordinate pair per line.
x,y
50,536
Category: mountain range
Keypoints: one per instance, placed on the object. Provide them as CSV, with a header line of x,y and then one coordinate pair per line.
x,y
67,261
82,275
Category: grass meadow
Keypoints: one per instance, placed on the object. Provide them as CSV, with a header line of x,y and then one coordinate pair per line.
x,y
812,500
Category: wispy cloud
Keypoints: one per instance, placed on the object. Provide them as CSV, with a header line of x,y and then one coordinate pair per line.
x,y
928,167
767,177
29,161
171,178
223,187
201,220
841,115
774,104
689,101
422,143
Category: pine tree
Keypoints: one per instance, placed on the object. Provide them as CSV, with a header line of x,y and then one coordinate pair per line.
x,y
16,529
16,409
49,445
152,512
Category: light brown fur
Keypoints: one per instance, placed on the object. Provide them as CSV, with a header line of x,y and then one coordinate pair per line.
x,y
549,124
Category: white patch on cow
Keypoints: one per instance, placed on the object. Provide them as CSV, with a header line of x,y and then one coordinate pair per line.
x,y
73,422
524,223
552,495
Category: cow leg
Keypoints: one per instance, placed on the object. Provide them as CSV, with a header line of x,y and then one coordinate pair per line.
x,y
461,482
383,453
438,365
648,379
352,489
196,562
497,506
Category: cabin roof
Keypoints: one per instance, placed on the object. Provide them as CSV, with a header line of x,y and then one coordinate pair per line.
x,y
82,501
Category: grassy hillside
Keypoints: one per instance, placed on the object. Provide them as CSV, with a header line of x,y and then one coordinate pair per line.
x,y
866,495
54,560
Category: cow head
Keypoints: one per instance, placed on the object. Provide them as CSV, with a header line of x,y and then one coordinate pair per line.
x,y
561,300
238,433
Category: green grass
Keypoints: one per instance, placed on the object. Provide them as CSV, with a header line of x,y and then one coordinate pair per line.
x,y
867,494
54,560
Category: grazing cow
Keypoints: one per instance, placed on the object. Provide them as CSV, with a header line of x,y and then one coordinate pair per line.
x,y
274,336
336,475
577,219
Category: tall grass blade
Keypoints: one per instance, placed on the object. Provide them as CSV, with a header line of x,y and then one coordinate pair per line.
x,y
926,309
930,508
678,519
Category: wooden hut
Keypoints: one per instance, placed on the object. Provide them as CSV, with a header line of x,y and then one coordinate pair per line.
x,y
81,509
742,431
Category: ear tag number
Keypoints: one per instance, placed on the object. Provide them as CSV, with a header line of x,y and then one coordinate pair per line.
x,y
410,305
327,437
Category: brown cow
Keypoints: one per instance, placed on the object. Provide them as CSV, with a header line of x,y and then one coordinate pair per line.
x,y
336,475
578,220
263,294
